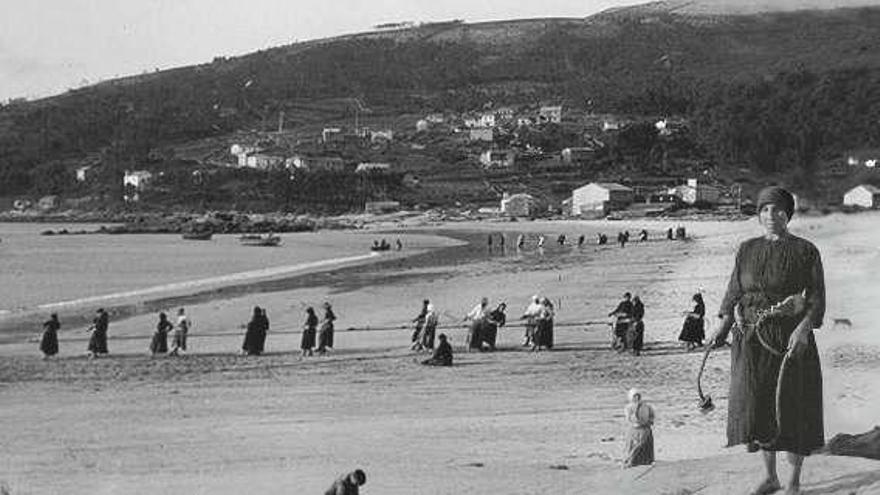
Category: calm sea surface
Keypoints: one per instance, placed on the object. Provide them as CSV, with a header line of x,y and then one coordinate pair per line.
x,y
37,270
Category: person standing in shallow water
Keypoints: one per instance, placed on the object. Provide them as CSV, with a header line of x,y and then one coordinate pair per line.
x,y
49,341
640,437
780,271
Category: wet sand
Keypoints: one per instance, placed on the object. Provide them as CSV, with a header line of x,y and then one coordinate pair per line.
x,y
509,422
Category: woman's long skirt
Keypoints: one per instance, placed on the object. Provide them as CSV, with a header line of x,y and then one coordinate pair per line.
x,y
308,339
49,343
489,334
751,412
427,337
325,336
475,335
639,447
692,331
159,344
98,342
544,334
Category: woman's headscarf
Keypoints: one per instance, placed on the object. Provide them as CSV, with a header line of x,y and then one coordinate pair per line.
x,y
777,196
632,393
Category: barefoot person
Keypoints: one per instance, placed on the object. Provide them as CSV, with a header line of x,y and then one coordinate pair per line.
x,y
778,348
348,484
49,341
640,437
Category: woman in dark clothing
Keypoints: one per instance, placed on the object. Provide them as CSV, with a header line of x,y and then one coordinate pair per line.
x,y
98,340
497,318
49,342
325,337
693,329
251,345
309,331
636,335
419,323
770,269
544,330
159,344
263,331
442,354
622,315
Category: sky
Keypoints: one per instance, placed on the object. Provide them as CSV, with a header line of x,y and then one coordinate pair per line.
x,y
50,46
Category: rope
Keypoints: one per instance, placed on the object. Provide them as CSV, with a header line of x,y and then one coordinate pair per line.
x,y
349,329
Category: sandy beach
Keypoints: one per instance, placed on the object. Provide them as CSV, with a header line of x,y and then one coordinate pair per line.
x,y
503,422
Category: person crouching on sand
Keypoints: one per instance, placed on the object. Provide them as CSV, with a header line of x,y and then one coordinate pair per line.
x,y
640,437
348,484
442,354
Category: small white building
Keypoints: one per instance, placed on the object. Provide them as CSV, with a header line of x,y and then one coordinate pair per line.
x,y
695,191
498,158
481,134
241,153
136,179
471,122
504,114
316,163
610,125
372,167
383,135
435,118
264,161
550,114
578,154
524,122
82,173
600,198
422,125
331,134
863,196
518,205
487,120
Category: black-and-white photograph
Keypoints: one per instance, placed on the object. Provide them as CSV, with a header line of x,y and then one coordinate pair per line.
x,y
440,248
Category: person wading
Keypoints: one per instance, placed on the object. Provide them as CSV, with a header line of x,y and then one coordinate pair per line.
x,y
159,344
49,340
98,339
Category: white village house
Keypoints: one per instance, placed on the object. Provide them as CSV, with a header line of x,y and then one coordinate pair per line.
x,y
863,195
497,158
481,134
598,198
82,173
136,179
695,191
550,114
372,167
314,163
518,205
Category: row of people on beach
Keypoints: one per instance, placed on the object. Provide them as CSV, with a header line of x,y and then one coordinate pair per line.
x,y
483,322
384,245
623,237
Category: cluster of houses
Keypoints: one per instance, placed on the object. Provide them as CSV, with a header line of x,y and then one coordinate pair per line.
x,y
598,199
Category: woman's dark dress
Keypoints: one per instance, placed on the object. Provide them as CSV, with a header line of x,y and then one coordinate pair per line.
x,y
263,330
159,344
325,338
98,340
544,331
766,272
489,331
251,345
309,332
49,342
693,329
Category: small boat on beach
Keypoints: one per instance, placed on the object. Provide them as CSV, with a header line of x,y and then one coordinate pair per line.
x,y
259,240
197,236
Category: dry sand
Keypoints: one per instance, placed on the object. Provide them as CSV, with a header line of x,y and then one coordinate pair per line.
x,y
506,422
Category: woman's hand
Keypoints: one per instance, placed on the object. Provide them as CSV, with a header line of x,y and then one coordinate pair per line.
x,y
800,338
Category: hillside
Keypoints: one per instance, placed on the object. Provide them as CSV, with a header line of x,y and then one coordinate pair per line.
x,y
782,94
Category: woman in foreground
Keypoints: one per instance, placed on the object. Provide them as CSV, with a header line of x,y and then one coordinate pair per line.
x,y
775,298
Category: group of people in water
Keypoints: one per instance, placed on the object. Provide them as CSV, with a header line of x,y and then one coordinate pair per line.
x,y
623,237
